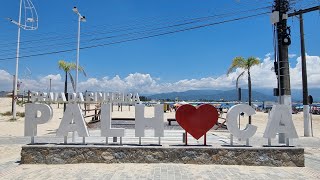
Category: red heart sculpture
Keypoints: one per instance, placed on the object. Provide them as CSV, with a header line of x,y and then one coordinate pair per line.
x,y
197,121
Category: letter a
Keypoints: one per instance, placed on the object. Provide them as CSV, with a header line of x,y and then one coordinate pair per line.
x,y
280,121
72,120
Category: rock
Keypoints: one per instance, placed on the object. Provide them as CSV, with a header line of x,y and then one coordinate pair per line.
x,y
119,155
107,156
57,154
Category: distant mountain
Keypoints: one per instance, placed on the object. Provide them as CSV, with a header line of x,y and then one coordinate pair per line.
x,y
297,93
232,95
215,95
314,92
186,95
3,93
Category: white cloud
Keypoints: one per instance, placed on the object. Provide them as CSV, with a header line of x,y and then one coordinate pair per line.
x,y
292,56
6,80
262,77
313,66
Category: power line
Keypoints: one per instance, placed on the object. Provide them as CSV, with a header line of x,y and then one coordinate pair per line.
x,y
134,27
147,31
139,38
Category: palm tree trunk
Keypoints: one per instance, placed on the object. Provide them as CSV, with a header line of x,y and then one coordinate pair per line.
x,y
65,89
249,89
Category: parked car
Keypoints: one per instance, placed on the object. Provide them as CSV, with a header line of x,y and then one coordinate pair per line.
x,y
315,109
299,107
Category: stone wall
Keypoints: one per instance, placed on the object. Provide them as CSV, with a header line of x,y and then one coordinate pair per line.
x,y
70,154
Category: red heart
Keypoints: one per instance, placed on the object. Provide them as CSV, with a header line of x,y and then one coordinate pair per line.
x,y
197,121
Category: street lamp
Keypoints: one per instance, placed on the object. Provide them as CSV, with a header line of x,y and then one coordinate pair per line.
x,y
239,91
80,19
30,23
237,86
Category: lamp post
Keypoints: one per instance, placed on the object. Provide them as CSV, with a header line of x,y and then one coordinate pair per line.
x,y
80,19
17,64
239,92
30,23
237,87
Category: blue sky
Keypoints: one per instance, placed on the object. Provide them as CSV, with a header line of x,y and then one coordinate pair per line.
x,y
169,59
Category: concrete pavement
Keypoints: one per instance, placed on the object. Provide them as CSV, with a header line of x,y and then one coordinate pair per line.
x,y
11,169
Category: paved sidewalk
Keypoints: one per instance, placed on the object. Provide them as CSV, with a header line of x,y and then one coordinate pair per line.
x,y
11,169
155,171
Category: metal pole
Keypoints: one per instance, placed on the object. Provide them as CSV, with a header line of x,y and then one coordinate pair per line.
x,y
306,107
238,90
231,140
77,68
311,125
78,50
247,142
17,68
306,121
12,99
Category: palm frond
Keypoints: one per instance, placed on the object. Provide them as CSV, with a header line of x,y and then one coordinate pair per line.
x,y
252,61
73,66
238,62
72,82
67,67
62,65
81,69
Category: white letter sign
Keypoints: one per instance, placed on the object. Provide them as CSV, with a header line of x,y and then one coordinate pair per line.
x,y
72,120
280,121
156,122
232,124
106,129
32,118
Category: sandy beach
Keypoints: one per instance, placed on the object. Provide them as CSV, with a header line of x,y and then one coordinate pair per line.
x,y
16,128
9,128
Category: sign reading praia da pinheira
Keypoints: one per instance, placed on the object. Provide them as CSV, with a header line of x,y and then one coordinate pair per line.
x,y
279,121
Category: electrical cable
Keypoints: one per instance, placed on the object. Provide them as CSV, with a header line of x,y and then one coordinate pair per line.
x,y
139,38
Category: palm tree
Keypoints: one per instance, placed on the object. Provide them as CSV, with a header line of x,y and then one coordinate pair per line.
x,y
67,67
246,64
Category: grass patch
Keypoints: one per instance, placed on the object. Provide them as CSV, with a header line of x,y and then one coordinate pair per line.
x,y
12,119
8,113
21,114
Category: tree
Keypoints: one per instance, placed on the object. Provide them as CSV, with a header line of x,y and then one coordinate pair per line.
x,y
246,65
67,67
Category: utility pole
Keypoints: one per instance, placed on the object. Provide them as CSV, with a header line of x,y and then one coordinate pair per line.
x,y
306,109
281,8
